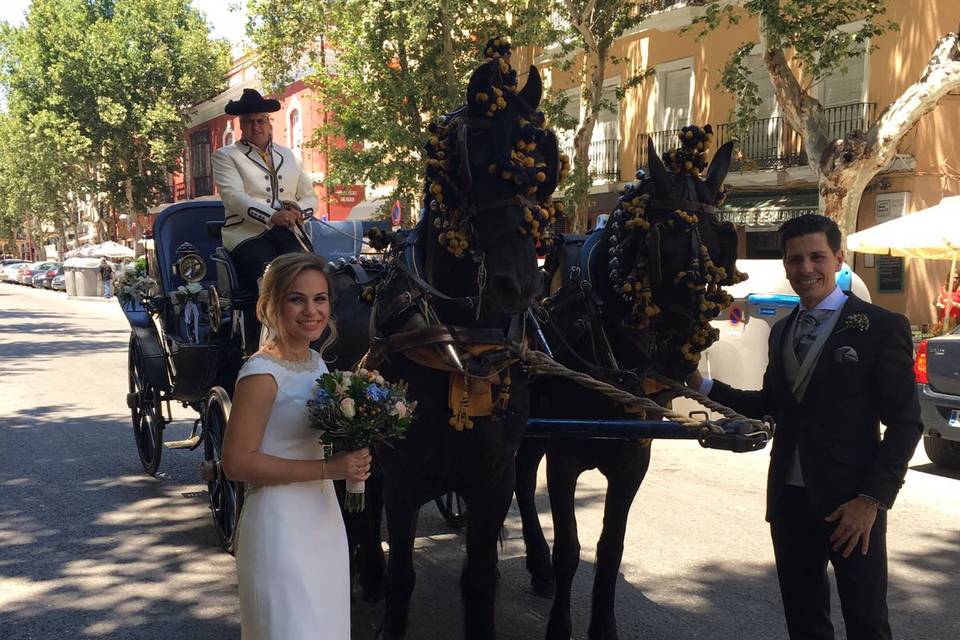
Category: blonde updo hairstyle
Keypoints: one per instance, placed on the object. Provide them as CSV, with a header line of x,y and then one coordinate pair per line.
x,y
276,285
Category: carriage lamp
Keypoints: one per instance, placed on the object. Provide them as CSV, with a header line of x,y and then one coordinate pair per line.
x,y
189,265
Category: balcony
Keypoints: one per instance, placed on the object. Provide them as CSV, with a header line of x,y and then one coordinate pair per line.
x,y
768,143
656,6
604,159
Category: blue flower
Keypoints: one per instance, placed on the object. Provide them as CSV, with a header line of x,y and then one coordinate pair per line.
x,y
321,397
377,393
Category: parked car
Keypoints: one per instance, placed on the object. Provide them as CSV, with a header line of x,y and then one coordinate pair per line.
x,y
45,278
25,274
59,282
9,272
937,370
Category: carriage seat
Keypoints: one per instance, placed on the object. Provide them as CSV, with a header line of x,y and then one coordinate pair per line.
x,y
228,284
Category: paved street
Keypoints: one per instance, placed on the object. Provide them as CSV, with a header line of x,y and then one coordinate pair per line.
x,y
90,547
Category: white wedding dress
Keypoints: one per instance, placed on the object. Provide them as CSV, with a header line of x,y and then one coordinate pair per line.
x,y
292,563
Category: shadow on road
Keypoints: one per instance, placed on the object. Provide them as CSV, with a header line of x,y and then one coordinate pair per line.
x,y
934,470
88,543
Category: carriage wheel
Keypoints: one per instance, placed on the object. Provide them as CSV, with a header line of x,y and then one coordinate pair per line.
x,y
145,411
226,496
453,509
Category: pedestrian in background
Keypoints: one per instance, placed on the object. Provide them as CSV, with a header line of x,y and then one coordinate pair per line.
x,y
106,277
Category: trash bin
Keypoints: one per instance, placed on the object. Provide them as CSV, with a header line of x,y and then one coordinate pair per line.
x,y
86,276
70,282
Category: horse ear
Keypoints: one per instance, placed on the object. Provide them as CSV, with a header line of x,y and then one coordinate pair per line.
x,y
717,171
532,91
479,79
550,148
658,172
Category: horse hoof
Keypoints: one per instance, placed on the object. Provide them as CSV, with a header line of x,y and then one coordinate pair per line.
x,y
543,587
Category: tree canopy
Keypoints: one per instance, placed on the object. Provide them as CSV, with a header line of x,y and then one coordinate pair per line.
x,y
106,83
383,67
822,37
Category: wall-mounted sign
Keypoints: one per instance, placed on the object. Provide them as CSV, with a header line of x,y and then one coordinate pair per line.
x,y
347,195
889,274
891,205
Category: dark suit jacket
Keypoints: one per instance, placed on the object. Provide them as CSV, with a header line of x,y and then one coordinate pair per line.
x,y
836,426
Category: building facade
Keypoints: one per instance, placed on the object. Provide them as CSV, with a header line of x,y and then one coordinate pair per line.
x,y
770,179
209,128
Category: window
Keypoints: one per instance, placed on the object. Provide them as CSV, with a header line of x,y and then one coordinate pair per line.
x,y
675,93
200,170
849,86
605,142
296,133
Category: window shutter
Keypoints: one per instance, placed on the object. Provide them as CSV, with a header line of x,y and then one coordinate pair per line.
x,y
676,98
845,88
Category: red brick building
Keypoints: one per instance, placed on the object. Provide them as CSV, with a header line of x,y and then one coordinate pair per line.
x,y
300,114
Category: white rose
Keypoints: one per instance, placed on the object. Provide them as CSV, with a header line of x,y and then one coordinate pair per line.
x,y
400,409
379,379
348,408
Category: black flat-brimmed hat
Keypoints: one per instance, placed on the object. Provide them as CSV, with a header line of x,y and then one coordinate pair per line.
x,y
251,102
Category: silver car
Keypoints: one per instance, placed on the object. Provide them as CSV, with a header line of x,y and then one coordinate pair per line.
x,y
937,370
8,272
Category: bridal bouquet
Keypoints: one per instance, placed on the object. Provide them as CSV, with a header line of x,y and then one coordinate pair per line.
x,y
353,410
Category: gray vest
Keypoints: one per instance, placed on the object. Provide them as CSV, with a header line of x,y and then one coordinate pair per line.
x,y
798,374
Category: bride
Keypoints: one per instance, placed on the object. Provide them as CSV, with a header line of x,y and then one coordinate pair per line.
x,y
292,560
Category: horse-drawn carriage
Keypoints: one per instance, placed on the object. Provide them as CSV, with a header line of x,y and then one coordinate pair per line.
x,y
187,339
460,314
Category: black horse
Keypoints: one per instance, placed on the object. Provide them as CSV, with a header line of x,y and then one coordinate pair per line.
x,y
447,319
633,298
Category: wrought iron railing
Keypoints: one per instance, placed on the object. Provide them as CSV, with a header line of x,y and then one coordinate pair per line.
x,y
768,143
202,186
857,116
662,140
604,159
655,6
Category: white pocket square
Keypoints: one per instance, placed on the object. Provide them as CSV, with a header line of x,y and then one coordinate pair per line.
x,y
845,354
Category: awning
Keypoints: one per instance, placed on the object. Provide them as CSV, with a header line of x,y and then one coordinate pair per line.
x,y
931,234
365,210
762,211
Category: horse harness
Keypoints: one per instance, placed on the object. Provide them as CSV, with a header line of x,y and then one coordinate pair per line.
x,y
475,358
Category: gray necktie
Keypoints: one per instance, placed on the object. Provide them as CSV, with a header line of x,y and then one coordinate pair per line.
x,y
807,324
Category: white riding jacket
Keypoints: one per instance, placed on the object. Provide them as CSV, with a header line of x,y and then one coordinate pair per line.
x,y
252,191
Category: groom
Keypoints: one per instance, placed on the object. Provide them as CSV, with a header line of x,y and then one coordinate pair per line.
x,y
838,367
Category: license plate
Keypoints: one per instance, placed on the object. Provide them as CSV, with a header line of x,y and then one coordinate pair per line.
x,y
955,418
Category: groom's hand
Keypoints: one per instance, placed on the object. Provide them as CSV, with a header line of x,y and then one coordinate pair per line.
x,y
856,519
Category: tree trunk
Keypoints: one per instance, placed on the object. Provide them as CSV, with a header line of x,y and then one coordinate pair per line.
x,y
591,91
451,84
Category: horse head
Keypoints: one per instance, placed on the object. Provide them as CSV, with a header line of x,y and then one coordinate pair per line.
x,y
492,168
666,256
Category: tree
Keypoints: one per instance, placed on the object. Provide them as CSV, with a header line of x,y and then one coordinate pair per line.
x,y
813,32
388,66
592,26
120,74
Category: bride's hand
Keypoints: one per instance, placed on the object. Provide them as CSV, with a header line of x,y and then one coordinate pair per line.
x,y
351,465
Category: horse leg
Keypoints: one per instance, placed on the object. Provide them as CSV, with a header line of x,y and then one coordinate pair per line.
x,y
562,474
538,551
401,530
486,510
370,558
623,481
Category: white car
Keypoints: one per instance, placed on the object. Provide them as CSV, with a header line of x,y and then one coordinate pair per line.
x,y
8,272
